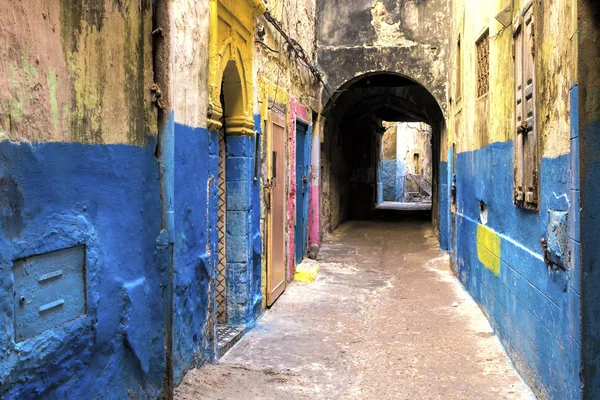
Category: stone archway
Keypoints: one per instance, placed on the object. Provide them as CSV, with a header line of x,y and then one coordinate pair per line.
x,y
354,113
230,114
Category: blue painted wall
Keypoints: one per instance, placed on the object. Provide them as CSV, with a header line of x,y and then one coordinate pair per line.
x,y
587,243
244,240
388,177
444,205
58,195
255,149
241,279
196,169
532,307
574,290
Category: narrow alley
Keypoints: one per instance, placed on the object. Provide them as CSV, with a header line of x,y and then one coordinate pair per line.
x,y
307,199
385,319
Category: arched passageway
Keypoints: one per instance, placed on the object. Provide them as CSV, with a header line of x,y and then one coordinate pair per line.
x,y
353,131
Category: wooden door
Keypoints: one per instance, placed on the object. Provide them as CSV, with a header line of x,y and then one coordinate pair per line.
x,y
276,211
302,189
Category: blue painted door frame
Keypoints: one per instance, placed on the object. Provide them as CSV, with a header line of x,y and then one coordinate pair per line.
x,y
303,147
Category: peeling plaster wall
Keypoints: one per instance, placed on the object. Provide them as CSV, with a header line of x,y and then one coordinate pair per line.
x,y
407,37
195,186
532,307
189,60
76,71
287,85
78,167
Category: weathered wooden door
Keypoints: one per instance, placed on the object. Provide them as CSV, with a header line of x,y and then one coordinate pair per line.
x,y
276,208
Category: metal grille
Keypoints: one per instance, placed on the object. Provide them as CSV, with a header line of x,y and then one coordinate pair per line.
x,y
221,279
483,64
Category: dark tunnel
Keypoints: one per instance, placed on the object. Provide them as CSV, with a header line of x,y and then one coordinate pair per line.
x,y
353,130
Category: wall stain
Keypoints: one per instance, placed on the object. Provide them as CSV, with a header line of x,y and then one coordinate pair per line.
x,y
11,207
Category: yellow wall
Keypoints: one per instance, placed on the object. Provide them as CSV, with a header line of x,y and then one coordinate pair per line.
x,y
76,75
231,39
555,73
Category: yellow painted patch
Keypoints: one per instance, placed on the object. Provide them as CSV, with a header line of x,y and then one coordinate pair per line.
x,y
307,273
488,248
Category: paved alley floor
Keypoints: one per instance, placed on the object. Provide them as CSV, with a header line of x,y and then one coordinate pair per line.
x,y
385,319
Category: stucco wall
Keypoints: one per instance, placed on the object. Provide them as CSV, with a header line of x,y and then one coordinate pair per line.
x,y
532,306
78,142
408,37
287,84
76,72
195,173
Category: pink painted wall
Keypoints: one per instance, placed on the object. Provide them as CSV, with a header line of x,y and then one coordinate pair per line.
x,y
314,207
297,110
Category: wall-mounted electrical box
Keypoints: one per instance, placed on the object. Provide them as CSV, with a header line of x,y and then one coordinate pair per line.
x,y
49,291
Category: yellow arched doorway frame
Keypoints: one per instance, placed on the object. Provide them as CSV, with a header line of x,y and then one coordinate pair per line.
x,y
230,63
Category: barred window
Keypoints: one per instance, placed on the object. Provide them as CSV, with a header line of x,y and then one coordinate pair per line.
x,y
483,64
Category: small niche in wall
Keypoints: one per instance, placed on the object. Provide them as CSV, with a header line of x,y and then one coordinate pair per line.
x,y
49,291
483,212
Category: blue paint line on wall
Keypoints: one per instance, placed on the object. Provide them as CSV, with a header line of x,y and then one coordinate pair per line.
x,y
513,305
448,207
108,197
57,195
530,305
574,194
487,175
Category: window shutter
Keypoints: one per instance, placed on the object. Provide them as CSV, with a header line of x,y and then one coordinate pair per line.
x,y
526,169
519,111
529,134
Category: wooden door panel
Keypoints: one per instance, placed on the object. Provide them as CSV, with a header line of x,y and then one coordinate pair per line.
x,y
276,279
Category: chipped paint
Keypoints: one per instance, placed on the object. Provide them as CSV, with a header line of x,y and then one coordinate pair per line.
x,y
77,75
388,34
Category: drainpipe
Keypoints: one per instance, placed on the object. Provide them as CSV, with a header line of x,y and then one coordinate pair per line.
x,y
167,177
161,46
